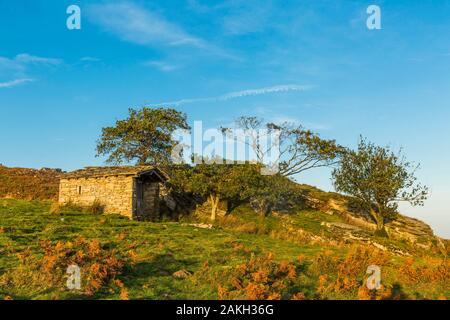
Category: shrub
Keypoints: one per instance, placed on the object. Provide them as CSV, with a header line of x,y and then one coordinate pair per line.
x,y
100,267
347,274
240,225
381,233
95,208
262,278
57,208
384,293
432,271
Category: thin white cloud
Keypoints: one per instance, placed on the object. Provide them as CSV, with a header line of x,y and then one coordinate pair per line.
x,y
27,58
14,83
240,94
266,90
238,17
19,67
161,65
135,24
90,59
21,61
10,65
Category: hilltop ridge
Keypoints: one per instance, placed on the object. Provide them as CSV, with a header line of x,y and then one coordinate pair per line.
x,y
336,215
30,184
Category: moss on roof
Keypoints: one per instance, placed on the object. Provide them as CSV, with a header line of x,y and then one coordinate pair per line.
x,y
93,172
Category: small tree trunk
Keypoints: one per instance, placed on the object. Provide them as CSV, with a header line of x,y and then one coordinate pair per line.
x,y
214,200
380,225
378,219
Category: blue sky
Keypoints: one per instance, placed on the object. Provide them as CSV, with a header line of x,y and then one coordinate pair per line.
x,y
312,62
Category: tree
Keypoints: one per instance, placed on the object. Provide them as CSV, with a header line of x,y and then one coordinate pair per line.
x,y
275,192
144,137
379,179
216,182
299,149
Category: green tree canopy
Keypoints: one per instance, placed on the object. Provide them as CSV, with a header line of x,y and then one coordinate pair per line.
x,y
216,182
379,179
236,183
276,192
145,137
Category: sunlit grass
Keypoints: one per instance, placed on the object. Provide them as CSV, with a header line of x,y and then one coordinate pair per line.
x,y
161,249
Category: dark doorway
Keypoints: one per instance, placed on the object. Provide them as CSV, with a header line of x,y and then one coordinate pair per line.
x,y
139,200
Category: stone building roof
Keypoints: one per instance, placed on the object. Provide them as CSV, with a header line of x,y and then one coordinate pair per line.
x,y
97,172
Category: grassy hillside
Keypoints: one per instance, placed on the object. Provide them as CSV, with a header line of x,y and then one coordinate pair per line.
x,y
242,256
30,184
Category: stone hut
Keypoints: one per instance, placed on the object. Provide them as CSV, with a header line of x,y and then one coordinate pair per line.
x,y
130,191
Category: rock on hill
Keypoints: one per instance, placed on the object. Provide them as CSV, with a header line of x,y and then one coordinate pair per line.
x,y
359,226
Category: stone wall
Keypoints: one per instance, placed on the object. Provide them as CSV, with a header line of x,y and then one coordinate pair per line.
x,y
115,193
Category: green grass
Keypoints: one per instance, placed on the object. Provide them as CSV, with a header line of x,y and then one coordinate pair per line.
x,y
164,248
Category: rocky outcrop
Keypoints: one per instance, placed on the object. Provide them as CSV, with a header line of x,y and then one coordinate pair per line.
x,y
412,230
359,225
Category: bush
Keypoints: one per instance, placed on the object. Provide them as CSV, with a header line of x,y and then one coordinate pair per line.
x,y
434,271
95,208
100,267
381,233
345,275
261,278
57,208
239,224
